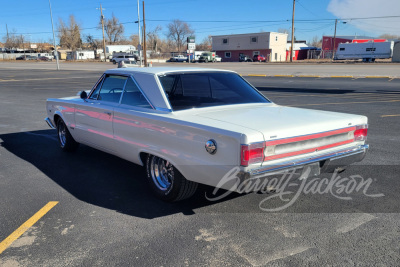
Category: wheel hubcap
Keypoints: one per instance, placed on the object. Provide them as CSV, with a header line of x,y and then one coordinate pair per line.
x,y
162,173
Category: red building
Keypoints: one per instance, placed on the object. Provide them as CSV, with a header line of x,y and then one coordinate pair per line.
x,y
327,41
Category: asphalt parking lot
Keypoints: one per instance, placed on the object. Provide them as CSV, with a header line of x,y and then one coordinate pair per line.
x,y
102,214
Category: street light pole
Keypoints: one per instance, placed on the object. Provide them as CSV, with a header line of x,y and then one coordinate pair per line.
x,y
140,37
144,39
334,41
102,27
54,37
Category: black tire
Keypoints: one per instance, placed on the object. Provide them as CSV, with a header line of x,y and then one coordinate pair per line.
x,y
166,182
65,139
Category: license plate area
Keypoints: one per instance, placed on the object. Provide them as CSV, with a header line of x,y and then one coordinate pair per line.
x,y
310,170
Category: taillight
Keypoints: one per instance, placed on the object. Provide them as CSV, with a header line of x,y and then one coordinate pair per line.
x,y
250,154
361,132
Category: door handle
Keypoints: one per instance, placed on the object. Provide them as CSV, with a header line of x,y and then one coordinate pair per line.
x,y
107,112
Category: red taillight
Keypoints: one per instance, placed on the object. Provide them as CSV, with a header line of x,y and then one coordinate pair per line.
x,y
253,153
361,132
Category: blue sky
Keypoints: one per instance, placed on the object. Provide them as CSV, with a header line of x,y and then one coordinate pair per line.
x,y
32,18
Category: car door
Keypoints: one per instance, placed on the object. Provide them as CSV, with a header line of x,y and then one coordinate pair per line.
x,y
94,115
133,122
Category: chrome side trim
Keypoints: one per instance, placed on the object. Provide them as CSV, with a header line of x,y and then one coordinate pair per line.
x,y
50,123
359,151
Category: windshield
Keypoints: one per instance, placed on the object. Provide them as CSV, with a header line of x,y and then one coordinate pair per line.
x,y
196,90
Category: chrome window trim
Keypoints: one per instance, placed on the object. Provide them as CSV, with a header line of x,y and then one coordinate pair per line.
x,y
123,88
96,84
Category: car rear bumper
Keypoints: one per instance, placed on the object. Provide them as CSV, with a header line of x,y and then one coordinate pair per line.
x,y
324,163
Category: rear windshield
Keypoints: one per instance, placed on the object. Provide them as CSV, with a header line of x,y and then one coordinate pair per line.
x,y
196,90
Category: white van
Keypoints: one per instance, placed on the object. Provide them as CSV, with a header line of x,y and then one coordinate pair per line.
x,y
119,58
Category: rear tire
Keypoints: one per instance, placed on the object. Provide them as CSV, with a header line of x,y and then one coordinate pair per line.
x,y
166,182
67,142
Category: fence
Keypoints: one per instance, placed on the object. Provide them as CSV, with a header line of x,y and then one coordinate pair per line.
x,y
319,54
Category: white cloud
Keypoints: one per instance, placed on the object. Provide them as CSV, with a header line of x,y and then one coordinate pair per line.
x,y
369,8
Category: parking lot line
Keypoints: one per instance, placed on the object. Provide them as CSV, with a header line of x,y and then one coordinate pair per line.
x,y
340,76
26,225
345,103
394,115
257,75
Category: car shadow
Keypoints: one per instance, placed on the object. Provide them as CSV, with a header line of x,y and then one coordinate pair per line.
x,y
304,90
99,178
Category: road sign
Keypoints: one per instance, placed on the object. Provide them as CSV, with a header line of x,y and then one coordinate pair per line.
x,y
191,46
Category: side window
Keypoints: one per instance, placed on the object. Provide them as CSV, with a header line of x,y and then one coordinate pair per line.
x,y
133,97
111,89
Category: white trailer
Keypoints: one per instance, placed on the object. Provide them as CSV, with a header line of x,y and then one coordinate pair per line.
x,y
368,51
80,55
111,49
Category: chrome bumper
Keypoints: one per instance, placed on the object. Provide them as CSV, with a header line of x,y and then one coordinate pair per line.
x,y
326,163
50,123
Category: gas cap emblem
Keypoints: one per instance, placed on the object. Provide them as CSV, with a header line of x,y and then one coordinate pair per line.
x,y
211,146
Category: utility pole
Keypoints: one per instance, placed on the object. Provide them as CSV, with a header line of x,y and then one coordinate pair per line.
x,y
8,37
334,41
102,27
291,47
54,37
139,34
144,38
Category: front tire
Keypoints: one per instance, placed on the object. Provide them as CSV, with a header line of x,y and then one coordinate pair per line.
x,y
67,142
166,182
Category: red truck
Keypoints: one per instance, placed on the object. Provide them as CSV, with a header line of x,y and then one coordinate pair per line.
x,y
259,58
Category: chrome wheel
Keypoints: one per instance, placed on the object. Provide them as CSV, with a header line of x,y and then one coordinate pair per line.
x,y
62,134
162,173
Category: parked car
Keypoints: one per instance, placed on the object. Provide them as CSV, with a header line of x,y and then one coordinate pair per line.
x,y
26,57
179,58
119,58
207,57
218,59
259,58
128,64
194,125
43,58
244,58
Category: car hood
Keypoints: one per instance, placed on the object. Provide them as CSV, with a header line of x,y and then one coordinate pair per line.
x,y
276,122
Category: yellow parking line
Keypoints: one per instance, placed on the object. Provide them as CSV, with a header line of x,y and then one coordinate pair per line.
x,y
341,76
26,225
257,75
283,76
394,115
308,76
345,103
377,77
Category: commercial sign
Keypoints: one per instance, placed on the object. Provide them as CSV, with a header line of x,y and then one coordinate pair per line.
x,y
191,46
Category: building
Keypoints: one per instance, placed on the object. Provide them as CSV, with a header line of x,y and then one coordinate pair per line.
x,y
329,41
270,44
80,55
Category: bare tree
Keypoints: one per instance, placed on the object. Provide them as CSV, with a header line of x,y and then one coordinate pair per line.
x,y
178,31
134,39
93,43
153,39
114,30
70,35
316,41
12,40
205,45
389,36
283,30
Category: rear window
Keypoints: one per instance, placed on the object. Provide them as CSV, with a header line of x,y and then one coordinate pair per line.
x,y
196,90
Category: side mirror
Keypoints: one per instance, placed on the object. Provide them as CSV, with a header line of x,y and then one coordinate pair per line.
x,y
83,95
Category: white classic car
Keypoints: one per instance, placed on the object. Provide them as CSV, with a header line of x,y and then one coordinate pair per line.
x,y
190,126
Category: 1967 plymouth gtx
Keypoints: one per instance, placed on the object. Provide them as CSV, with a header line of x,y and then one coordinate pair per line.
x,y
190,126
